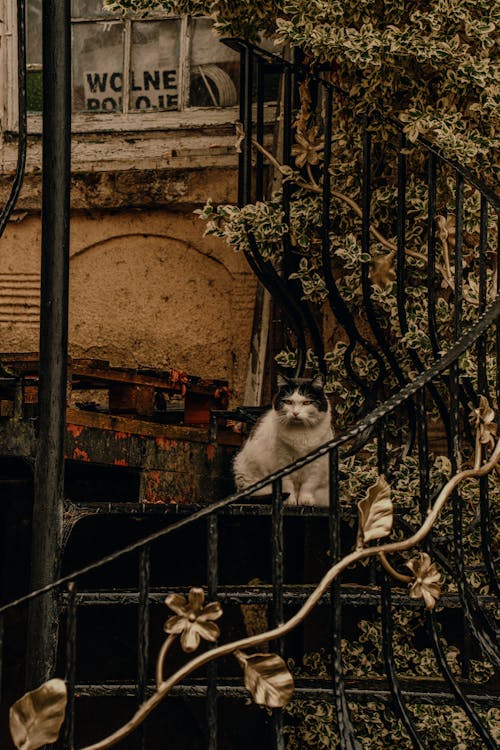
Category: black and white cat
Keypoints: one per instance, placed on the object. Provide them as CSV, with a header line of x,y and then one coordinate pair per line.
x,y
298,422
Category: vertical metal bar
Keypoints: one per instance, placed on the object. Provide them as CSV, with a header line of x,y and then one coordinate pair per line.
x,y
2,626
431,253
401,232
288,260
212,585
346,732
247,124
49,469
277,608
484,389
143,637
241,155
459,241
482,380
461,698
366,188
22,119
497,337
390,665
381,447
423,454
259,163
68,740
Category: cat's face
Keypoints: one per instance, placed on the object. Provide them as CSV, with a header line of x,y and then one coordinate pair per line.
x,y
300,402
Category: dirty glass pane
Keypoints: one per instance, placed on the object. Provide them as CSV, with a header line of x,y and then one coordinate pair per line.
x,y
214,68
34,32
89,9
98,67
154,70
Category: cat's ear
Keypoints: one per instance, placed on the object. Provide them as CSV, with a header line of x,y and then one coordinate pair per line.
x,y
318,382
281,380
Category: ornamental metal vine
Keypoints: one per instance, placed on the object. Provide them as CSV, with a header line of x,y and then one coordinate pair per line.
x,y
36,718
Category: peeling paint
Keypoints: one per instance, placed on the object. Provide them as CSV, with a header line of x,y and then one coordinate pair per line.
x,y
74,430
122,435
80,455
163,443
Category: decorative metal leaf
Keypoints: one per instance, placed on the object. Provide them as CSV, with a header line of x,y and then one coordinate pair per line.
x,y
267,678
375,513
426,580
483,420
36,718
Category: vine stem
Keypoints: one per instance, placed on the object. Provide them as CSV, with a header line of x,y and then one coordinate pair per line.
x,y
325,583
390,246
393,572
161,659
334,193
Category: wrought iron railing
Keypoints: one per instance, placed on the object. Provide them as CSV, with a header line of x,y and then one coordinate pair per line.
x,y
400,402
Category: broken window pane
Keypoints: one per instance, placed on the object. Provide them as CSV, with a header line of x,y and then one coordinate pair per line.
x,y
214,68
154,70
98,67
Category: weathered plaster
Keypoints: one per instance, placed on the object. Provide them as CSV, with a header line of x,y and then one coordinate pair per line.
x,y
145,288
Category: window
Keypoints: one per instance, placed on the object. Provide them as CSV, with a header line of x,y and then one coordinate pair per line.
x,y
137,72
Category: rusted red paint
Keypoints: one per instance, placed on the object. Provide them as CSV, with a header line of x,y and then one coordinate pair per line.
x,y
122,435
211,452
75,430
80,455
120,462
163,443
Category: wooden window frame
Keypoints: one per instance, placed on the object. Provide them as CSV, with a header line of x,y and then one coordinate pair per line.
x,y
185,118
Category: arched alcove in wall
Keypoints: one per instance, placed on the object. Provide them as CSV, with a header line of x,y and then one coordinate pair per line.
x,y
151,299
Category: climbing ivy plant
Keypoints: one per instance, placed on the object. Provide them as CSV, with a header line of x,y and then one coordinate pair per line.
x,y
432,67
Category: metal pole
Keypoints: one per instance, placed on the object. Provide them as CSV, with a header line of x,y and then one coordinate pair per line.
x,y
49,470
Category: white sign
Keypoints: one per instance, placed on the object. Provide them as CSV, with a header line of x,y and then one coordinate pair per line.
x,y
149,89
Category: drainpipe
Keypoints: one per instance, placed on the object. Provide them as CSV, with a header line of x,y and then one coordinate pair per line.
x,y
49,466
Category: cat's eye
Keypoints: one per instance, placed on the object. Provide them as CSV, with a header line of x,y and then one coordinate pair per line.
x,y
306,403
287,400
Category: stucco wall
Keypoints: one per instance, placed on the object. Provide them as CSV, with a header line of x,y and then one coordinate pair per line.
x,y
145,288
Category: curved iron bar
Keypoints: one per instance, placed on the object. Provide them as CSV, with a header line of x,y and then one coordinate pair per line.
x,y
486,737
366,287
390,666
467,174
22,140
380,412
484,389
308,316
478,621
234,647
337,304
400,275
276,286
346,731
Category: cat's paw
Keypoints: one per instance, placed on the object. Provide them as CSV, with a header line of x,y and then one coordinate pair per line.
x,y
319,497
306,498
291,499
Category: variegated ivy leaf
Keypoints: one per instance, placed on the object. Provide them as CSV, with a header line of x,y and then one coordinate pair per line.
x,y
36,718
267,678
375,514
